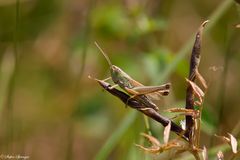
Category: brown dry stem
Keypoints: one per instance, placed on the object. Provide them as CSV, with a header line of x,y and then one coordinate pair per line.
x,y
193,73
147,110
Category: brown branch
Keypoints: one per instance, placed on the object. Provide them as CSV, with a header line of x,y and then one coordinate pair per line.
x,y
194,64
147,110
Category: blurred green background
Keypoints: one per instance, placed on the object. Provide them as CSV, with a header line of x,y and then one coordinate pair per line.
x,y
49,109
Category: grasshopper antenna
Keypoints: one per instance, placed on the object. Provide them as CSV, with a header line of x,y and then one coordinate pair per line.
x,y
106,57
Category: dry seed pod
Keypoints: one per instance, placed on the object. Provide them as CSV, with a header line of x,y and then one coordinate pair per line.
x,y
220,155
194,64
204,153
233,143
166,132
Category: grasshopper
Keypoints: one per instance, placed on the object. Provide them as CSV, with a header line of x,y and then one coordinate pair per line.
x,y
138,91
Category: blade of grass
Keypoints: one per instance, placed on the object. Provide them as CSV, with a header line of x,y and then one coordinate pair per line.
x,y
77,88
12,84
116,136
6,71
186,49
134,153
13,76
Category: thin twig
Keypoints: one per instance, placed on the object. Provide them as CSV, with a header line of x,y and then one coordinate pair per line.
x,y
86,36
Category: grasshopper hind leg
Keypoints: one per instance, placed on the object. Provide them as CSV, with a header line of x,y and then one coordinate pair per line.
x,y
133,96
147,104
126,104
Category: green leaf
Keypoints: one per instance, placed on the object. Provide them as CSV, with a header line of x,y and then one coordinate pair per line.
x,y
116,136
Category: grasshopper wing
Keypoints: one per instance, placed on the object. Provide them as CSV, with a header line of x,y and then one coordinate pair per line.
x,y
153,92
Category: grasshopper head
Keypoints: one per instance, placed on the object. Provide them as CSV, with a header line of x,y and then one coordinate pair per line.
x,y
115,73
119,76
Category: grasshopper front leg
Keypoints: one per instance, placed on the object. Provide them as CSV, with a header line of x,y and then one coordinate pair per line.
x,y
107,79
114,86
104,80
